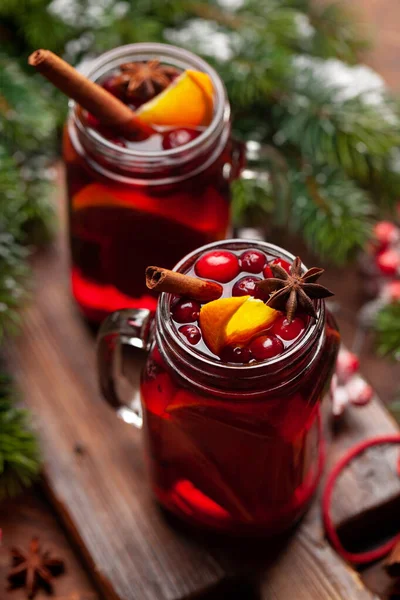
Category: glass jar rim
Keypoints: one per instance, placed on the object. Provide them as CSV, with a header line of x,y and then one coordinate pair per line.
x,y
164,323
180,58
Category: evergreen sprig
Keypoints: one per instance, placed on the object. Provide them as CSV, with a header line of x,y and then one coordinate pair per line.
x,y
19,451
388,330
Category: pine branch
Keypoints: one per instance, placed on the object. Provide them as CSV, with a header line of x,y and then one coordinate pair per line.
x,y
19,452
357,133
388,331
332,213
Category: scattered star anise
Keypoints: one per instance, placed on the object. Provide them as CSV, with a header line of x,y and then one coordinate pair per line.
x,y
143,80
290,290
33,569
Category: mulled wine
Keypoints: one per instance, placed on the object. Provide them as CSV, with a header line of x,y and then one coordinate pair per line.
x,y
232,395
148,198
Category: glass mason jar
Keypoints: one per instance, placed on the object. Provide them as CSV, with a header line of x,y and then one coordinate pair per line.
x,y
129,208
238,448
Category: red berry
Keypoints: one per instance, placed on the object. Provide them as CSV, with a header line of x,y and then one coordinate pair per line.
x,y
92,121
288,331
267,272
359,391
179,137
391,291
186,311
386,233
110,84
246,286
236,354
219,265
266,346
252,261
388,262
191,333
346,365
283,263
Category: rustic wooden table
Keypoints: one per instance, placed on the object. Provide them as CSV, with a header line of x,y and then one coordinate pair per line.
x,y
32,514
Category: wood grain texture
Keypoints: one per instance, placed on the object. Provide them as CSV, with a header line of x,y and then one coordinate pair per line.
x,y
308,568
28,516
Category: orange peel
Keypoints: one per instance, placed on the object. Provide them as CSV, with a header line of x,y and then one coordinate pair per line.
x,y
234,320
186,102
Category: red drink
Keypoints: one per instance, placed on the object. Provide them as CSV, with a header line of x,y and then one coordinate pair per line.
x,y
132,204
235,440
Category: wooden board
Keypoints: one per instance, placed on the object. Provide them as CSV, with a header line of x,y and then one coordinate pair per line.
x,y
97,481
30,515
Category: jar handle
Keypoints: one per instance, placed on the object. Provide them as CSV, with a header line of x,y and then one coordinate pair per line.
x,y
128,327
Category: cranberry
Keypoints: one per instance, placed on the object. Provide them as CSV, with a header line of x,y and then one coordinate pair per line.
x,y
246,286
386,233
186,311
288,331
283,263
179,137
110,84
219,265
267,272
253,261
388,262
266,346
191,333
347,365
391,291
236,354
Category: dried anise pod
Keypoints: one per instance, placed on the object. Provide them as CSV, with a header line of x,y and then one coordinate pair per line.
x,y
143,80
33,569
290,290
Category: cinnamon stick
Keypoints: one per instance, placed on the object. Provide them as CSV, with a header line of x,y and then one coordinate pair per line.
x,y
164,280
99,102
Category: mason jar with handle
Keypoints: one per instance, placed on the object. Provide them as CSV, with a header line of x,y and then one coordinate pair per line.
x,y
130,206
232,447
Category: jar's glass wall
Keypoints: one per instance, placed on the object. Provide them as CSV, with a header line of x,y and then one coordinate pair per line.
x,y
120,223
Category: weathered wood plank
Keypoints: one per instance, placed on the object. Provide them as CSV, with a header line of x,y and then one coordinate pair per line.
x,y
367,495
308,568
101,491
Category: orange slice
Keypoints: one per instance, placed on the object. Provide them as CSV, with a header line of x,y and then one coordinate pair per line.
x,y
251,318
214,318
234,321
187,102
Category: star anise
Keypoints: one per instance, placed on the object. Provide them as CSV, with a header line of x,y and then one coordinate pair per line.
x,y
144,80
290,290
33,569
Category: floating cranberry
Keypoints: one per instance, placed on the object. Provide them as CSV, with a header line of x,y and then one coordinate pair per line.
x,y
388,262
110,84
219,265
253,261
191,333
185,311
92,121
266,346
179,137
386,233
246,286
288,331
267,272
283,263
236,354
